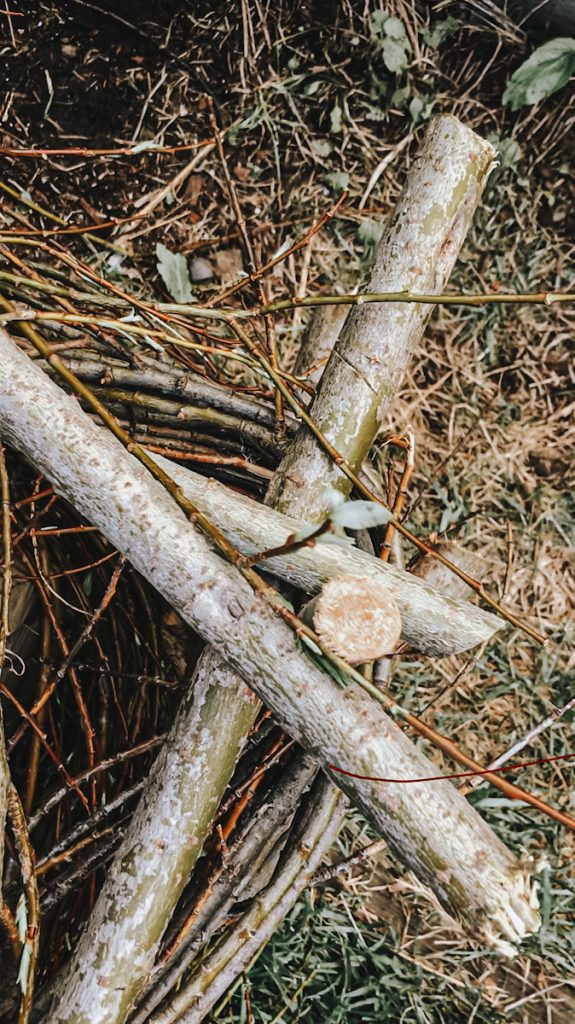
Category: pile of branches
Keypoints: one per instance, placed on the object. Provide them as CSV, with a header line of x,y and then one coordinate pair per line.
x,y
196,680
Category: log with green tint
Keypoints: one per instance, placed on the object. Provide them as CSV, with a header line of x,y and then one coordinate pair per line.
x,y
416,254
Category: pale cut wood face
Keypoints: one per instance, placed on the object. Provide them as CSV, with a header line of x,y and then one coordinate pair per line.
x,y
360,621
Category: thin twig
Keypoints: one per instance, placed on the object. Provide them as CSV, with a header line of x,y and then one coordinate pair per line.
x,y
253,273
32,938
527,739
547,298
406,442
285,254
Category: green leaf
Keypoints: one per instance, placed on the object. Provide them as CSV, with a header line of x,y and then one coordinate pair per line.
x,y
509,152
394,54
173,269
400,96
548,69
420,108
394,28
334,498
377,22
441,31
335,119
337,181
141,147
279,598
393,40
369,232
361,515
22,917
321,148
324,662
303,534
376,113
23,970
307,640
333,538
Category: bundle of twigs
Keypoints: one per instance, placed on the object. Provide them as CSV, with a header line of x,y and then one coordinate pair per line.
x,y
203,385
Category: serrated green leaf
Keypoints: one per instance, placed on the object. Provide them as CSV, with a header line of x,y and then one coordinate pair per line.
x,y
361,515
173,269
548,69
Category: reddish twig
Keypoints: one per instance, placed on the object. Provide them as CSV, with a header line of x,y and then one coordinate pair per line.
x,y
407,442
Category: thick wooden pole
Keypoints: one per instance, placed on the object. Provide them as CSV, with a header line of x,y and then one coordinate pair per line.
x,y
416,254
433,622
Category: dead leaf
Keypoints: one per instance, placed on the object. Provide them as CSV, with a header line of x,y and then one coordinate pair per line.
x,y
229,265
194,187
242,173
201,270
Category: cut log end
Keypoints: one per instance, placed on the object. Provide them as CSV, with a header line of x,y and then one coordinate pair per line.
x,y
356,618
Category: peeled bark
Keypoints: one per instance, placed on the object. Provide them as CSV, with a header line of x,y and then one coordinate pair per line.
x,y
431,827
